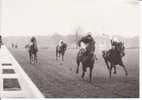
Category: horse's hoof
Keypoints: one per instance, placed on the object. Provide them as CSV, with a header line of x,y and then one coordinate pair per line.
x,y
76,72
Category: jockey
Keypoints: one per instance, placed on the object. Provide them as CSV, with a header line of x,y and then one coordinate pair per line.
x,y
61,43
88,43
114,42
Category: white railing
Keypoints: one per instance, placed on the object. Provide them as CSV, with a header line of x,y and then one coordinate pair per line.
x,y
27,88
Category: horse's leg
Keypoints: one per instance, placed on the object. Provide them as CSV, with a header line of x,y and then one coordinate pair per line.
x,y
91,68
33,57
30,57
114,70
78,63
124,68
106,61
110,69
83,74
62,56
56,55
84,70
36,60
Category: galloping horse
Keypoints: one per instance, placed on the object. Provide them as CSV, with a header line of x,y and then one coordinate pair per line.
x,y
60,51
32,51
114,57
86,63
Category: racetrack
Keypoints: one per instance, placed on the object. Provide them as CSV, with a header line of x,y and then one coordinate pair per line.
x,y
58,79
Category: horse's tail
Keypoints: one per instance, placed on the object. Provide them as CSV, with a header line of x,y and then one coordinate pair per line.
x,y
78,57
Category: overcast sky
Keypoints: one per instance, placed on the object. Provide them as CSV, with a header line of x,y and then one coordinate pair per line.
x,y
26,17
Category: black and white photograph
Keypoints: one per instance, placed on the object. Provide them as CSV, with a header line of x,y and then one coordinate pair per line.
x,y
69,49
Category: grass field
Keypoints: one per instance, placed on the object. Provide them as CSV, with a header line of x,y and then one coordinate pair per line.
x,y
58,79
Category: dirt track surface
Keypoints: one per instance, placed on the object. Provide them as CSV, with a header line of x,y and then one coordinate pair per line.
x,y
58,79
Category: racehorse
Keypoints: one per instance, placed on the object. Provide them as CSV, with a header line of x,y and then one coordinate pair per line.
x,y
32,51
60,51
86,63
114,57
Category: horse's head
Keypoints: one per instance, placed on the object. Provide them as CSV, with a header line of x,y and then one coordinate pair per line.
x,y
121,49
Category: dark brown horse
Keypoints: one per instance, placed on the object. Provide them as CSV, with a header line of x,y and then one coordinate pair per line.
x,y
87,62
60,51
32,49
114,57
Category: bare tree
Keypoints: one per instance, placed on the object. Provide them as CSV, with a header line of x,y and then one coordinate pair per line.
x,y
78,32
